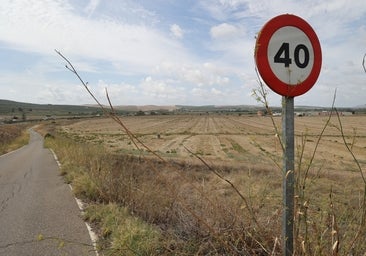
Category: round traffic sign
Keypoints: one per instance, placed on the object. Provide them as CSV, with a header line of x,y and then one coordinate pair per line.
x,y
288,55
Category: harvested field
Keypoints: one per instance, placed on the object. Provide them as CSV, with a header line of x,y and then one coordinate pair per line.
x,y
231,139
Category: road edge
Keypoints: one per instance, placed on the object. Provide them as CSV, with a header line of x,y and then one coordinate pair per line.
x,y
11,152
93,236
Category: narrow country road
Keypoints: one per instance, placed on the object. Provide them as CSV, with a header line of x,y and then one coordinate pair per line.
x,y
38,213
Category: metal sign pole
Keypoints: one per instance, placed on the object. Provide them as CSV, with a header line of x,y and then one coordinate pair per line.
x,y
288,175
289,58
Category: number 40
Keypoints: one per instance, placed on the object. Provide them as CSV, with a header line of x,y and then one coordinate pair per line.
x,y
283,55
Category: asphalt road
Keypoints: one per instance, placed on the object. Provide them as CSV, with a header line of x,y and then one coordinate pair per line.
x,y
38,213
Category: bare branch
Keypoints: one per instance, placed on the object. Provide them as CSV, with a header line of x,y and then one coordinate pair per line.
x,y
73,70
363,63
110,113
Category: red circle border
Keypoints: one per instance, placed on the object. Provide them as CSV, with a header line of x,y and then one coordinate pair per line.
x,y
261,59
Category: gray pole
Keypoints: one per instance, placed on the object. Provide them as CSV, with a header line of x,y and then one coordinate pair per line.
x,y
288,175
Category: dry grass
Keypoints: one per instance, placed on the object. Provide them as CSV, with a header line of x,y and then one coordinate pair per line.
x,y
12,137
196,212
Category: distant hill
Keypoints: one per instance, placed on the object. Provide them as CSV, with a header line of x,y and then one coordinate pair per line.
x,y
21,110
361,106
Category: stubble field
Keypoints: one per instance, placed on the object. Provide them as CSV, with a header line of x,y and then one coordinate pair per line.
x,y
232,139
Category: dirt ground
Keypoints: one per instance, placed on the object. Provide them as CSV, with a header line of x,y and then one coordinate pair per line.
x,y
233,139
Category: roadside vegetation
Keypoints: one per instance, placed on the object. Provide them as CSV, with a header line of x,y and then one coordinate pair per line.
x,y
12,137
185,208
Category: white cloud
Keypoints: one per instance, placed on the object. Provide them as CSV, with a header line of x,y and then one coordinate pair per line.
x,y
161,90
199,92
216,96
41,26
90,8
119,93
224,31
216,92
32,87
205,74
176,31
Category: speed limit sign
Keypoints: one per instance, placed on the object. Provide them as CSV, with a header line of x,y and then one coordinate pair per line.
x,y
288,55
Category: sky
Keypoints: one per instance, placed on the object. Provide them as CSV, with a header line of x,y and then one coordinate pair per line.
x,y
169,52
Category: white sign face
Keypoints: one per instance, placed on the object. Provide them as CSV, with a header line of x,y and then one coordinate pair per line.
x,y
290,55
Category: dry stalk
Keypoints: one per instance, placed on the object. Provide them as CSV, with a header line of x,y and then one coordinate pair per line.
x,y
300,155
334,226
349,149
274,246
318,143
361,226
261,96
302,179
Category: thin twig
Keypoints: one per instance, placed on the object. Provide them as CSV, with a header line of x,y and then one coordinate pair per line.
x,y
334,226
85,84
262,97
318,141
349,149
111,113
363,215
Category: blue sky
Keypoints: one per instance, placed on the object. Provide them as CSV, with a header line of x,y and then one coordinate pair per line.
x,y
168,52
